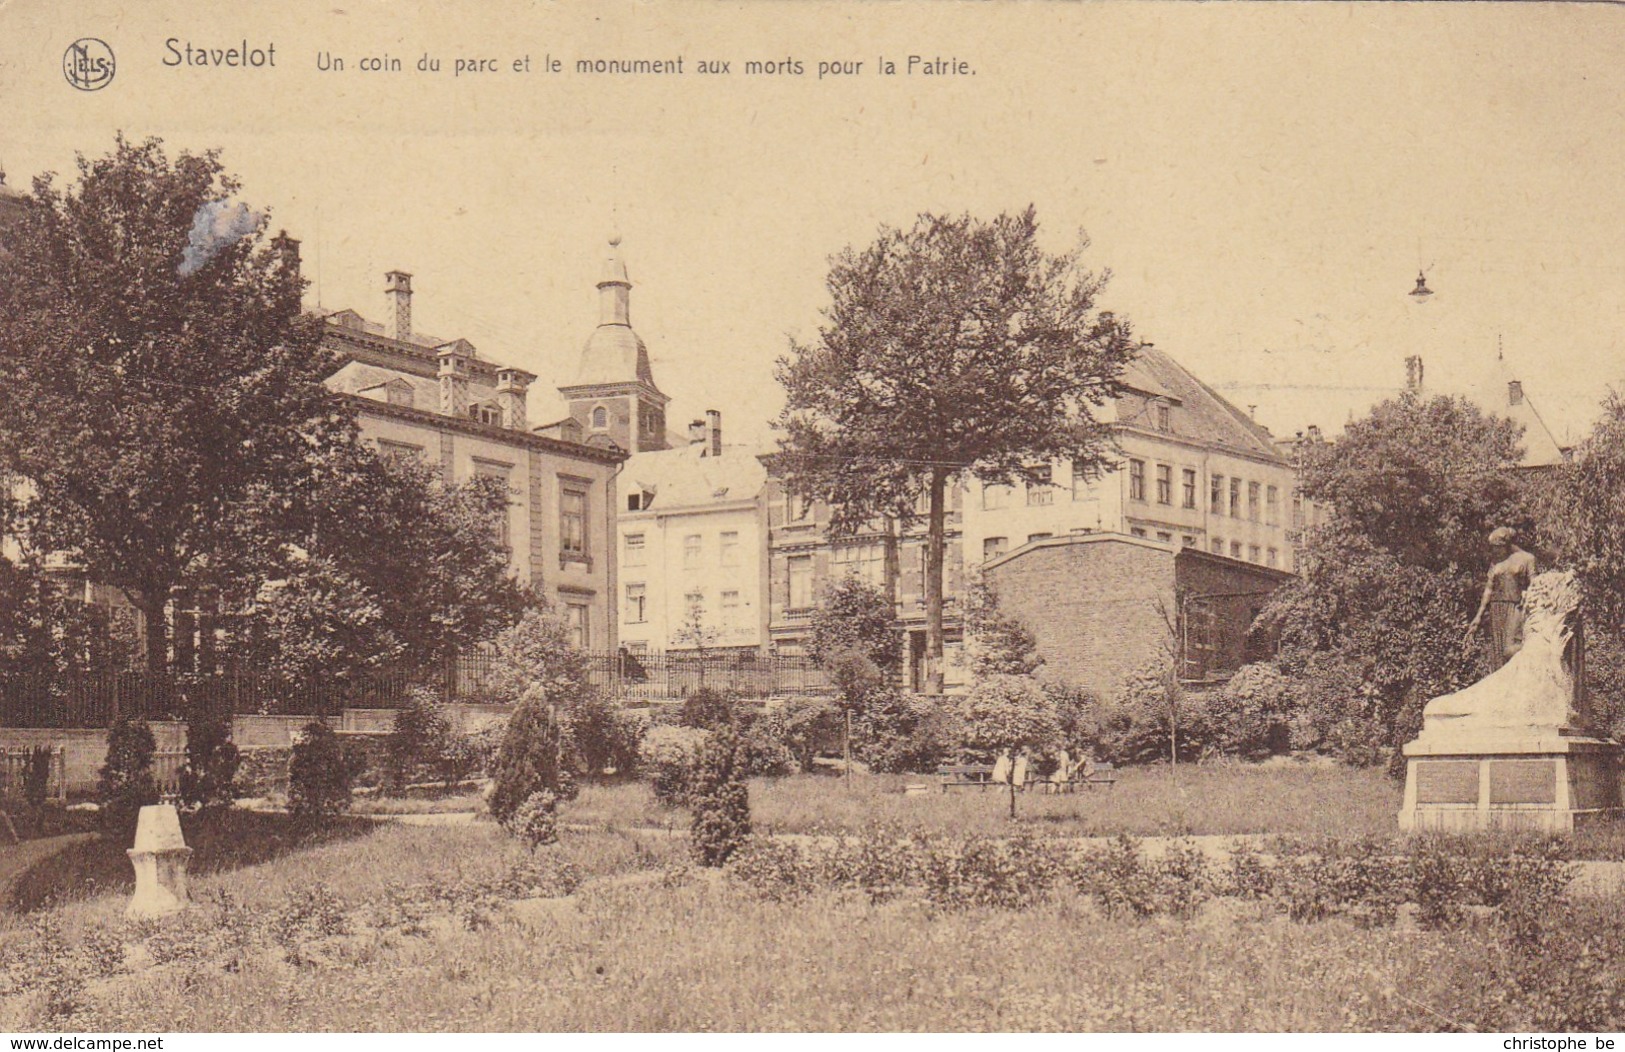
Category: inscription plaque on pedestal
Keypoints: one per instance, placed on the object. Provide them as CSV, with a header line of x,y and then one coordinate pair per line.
x,y
1447,781
1523,781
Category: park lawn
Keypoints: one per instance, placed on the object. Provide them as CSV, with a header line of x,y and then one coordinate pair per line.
x,y
648,944
1304,800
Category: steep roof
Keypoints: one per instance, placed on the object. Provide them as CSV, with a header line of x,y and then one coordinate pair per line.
x,y
682,478
1204,415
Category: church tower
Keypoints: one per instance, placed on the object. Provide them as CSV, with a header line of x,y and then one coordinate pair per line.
x,y
613,396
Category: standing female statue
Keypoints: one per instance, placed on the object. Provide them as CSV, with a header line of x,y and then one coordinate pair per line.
x,y
1503,597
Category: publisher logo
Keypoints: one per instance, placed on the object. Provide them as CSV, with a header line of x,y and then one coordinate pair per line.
x,y
88,64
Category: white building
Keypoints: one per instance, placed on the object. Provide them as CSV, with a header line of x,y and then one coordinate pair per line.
x,y
693,546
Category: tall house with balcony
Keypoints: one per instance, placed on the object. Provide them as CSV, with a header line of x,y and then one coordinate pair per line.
x,y
1193,471
439,401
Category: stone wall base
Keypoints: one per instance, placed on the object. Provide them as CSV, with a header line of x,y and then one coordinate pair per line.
x,y
1555,784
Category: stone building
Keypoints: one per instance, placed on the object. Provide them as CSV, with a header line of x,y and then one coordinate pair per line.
x,y
422,396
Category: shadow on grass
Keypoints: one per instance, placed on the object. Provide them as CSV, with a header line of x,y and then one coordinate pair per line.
x,y
220,841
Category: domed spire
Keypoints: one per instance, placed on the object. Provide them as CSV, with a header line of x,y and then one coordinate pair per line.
x,y
614,353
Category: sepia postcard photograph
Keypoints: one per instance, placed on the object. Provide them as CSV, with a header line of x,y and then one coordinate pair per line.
x,y
923,517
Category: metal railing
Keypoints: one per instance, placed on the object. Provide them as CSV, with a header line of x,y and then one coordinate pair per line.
x,y
95,699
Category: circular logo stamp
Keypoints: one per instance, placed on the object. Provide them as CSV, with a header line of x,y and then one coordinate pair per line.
x,y
88,64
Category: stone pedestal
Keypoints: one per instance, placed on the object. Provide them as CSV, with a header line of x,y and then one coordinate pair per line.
x,y
160,857
1551,783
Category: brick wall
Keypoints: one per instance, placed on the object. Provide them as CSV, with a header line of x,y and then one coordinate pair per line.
x,y
1226,596
1099,606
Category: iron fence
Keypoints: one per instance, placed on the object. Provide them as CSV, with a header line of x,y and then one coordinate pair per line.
x,y
94,699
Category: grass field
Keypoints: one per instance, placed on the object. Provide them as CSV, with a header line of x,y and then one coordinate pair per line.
x,y
1298,800
645,943
356,924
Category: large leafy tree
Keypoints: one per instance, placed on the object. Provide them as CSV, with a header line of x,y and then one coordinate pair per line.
x,y
1586,520
958,347
159,386
1373,624
397,568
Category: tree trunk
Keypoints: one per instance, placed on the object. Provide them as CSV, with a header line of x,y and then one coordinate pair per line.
x,y
934,544
1012,788
156,625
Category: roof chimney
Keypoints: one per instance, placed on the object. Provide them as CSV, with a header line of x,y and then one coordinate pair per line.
x,y
511,387
1413,374
1514,392
454,373
398,287
713,432
696,432
1314,432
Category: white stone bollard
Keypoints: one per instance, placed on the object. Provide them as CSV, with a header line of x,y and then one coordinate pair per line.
x,y
160,856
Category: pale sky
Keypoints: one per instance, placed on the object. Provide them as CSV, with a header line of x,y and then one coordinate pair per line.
x,y
1263,181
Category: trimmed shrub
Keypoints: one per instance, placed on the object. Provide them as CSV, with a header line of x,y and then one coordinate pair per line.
x,y
419,739
535,822
668,755
767,751
812,728
125,782
772,869
707,709
530,759
898,733
209,776
319,773
603,737
1254,712
720,798
983,872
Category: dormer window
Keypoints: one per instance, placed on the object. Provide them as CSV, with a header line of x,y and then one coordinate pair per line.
x,y
1165,417
485,413
600,418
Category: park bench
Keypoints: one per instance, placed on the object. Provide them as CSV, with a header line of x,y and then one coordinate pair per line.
x,y
1098,775
966,776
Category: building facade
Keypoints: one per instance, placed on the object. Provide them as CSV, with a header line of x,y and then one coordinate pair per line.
x,y
438,400
693,547
1193,472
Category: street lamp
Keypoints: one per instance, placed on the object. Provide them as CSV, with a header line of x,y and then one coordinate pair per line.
x,y
1421,293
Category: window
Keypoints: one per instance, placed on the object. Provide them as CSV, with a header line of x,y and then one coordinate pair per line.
x,y
995,497
1136,480
993,547
1040,492
1272,506
1216,495
1165,484
634,549
1188,477
1235,549
573,521
1297,510
490,469
600,418
795,507
730,548
1217,546
694,601
867,561
730,608
1235,498
1253,490
800,583
1272,558
1187,541
636,596
691,551
1138,531
580,625
1166,538
1083,482
485,413
1031,537
1252,553
1165,417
